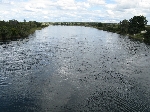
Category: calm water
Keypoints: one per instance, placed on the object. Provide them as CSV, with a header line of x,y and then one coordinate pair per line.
x,y
72,69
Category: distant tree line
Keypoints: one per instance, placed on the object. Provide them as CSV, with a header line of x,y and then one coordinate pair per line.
x,y
76,23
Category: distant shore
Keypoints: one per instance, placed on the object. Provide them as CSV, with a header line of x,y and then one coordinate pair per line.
x,y
122,28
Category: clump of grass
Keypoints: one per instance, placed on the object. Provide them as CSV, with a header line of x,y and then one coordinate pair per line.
x,y
138,36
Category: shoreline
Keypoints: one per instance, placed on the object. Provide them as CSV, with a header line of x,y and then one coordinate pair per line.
x,y
12,29
138,37
31,31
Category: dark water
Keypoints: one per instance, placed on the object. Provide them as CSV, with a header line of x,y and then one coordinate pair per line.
x,y
72,69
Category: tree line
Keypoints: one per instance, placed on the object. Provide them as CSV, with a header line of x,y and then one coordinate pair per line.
x,y
14,29
134,27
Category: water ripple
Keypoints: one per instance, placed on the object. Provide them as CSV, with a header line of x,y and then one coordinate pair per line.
x,y
70,68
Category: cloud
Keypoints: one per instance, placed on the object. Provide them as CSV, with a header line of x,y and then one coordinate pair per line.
x,y
73,10
128,8
97,2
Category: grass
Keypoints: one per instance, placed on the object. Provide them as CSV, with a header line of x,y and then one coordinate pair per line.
x,y
138,36
32,30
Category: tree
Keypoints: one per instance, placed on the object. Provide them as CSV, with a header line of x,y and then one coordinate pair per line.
x,y
100,24
14,32
137,24
4,31
38,24
24,21
147,35
124,25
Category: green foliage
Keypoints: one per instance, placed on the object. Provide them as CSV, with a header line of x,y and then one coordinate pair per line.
x,y
137,24
4,31
133,26
100,24
147,35
111,27
123,26
38,24
15,29
14,32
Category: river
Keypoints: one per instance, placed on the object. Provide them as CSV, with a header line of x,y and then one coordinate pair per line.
x,y
72,69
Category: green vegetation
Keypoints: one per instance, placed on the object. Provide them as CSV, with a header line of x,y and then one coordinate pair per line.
x,y
15,30
135,27
137,24
147,35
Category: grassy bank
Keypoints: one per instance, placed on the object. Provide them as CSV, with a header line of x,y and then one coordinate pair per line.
x,y
32,30
138,36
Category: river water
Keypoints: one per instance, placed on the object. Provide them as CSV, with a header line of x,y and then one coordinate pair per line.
x,y
72,69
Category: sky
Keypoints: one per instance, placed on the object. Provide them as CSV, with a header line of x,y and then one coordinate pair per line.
x,y
107,11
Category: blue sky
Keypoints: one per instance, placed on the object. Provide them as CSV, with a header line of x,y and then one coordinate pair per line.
x,y
73,10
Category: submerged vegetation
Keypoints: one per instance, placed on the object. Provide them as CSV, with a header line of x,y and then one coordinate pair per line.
x,y
15,30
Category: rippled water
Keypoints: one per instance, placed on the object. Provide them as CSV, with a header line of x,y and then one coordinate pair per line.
x,y
72,69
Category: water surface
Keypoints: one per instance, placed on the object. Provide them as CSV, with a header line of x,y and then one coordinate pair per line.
x,y
72,69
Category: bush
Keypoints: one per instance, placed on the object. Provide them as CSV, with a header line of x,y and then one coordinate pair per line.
x,y
147,35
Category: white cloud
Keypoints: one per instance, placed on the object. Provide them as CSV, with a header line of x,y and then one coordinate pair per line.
x,y
45,12
110,12
126,4
29,8
46,17
129,8
72,10
97,2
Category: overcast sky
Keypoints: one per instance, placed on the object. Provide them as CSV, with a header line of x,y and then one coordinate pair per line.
x,y
73,10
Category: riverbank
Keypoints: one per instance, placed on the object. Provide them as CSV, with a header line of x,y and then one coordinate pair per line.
x,y
31,31
15,30
139,36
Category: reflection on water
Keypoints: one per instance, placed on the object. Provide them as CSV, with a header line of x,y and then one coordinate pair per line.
x,y
71,69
